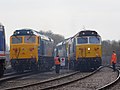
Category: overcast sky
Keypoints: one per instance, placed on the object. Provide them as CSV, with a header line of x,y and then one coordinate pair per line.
x,y
65,17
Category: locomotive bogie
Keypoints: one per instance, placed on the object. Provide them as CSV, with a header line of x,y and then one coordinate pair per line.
x,y
88,64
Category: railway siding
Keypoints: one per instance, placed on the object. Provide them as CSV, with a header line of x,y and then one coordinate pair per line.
x,y
102,77
53,83
32,78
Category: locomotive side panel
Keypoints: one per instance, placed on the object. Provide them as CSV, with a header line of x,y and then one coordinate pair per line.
x,y
2,50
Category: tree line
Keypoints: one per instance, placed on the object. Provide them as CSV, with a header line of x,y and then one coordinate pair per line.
x,y
108,46
56,37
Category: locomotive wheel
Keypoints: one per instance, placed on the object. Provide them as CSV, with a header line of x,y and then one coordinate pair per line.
x,y
34,67
1,73
1,70
19,69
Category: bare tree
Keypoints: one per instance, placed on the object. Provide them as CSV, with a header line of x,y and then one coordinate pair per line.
x,y
56,37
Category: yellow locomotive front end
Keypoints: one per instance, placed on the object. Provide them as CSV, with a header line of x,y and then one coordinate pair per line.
x,y
23,52
21,49
88,51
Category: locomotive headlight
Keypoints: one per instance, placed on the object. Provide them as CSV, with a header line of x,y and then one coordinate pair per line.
x,y
28,32
88,48
17,33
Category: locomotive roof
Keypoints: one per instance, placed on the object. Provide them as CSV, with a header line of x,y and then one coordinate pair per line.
x,y
59,44
63,42
87,33
1,28
31,32
80,34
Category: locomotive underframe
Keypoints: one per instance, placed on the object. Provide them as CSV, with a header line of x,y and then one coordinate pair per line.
x,y
89,63
23,64
43,64
86,64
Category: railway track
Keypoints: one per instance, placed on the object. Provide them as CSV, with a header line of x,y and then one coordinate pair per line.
x,y
42,82
14,75
107,86
56,82
63,81
11,76
98,81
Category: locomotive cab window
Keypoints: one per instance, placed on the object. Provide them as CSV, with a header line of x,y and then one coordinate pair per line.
x,y
82,40
94,40
16,40
29,39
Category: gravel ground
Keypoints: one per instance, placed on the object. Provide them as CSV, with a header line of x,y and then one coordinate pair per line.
x,y
38,87
99,79
105,76
60,81
32,79
115,87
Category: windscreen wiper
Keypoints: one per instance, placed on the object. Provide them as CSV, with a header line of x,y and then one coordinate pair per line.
x,y
17,38
30,36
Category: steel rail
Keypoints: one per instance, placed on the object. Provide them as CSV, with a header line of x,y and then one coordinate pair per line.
x,y
57,78
112,83
15,76
9,74
69,82
42,82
